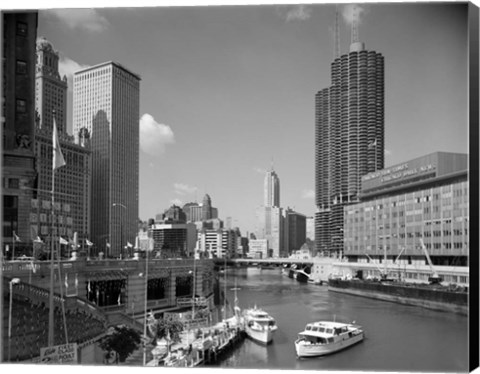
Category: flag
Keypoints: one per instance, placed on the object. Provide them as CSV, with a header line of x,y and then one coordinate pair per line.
x,y
34,268
16,237
63,241
58,160
129,245
373,144
108,245
89,289
66,281
137,242
119,299
89,243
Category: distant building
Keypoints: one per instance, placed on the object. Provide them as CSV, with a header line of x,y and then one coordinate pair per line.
x,y
200,212
270,226
18,102
310,228
106,102
174,214
258,248
217,243
271,189
295,230
269,218
172,240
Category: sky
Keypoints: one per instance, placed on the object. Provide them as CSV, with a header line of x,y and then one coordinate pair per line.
x,y
227,92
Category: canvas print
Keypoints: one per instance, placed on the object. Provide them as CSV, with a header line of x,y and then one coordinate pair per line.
x,y
239,187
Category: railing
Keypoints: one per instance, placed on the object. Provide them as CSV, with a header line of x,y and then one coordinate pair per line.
x,y
189,301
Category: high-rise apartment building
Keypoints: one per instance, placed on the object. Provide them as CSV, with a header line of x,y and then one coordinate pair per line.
x,y
106,103
349,138
271,189
72,182
18,121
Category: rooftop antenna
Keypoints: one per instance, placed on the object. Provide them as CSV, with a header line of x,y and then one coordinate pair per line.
x,y
272,164
337,35
354,25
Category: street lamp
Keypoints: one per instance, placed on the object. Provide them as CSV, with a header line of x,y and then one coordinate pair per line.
x,y
121,227
11,283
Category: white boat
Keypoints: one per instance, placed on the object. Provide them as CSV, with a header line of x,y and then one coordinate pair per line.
x,y
259,325
322,338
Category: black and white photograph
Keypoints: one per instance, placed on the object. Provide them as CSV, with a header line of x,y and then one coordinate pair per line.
x,y
255,186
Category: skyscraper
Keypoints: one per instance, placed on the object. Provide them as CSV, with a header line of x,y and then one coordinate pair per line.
x,y
349,137
269,216
271,187
106,103
18,121
72,182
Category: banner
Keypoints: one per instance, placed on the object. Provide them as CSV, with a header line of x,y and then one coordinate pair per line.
x,y
63,354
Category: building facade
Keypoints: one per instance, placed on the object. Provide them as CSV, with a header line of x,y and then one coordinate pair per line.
x,y
72,181
173,240
295,231
106,103
219,243
349,138
424,199
50,88
271,226
18,121
271,189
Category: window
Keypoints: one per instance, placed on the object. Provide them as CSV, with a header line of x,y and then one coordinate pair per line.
x,y
22,29
21,67
13,183
21,106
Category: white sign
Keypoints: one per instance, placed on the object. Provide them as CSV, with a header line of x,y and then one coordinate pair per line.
x,y
63,354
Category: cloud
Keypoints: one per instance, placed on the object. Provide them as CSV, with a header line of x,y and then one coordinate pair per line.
x,y
259,170
348,12
308,194
66,66
82,19
177,202
184,189
294,12
154,136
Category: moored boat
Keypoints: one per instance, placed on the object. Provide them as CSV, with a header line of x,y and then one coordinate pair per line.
x,y
259,325
324,337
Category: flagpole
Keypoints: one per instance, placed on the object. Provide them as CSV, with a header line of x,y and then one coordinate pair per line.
x,y
50,300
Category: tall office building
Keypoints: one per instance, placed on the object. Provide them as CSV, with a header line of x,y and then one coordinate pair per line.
x,y
18,121
349,138
271,189
72,182
106,103
295,230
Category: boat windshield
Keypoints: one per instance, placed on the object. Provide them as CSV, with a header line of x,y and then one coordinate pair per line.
x,y
308,328
321,329
329,331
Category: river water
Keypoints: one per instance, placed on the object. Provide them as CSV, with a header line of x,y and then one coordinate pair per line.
x,y
398,337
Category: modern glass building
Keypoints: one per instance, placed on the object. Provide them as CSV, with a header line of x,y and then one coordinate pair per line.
x,y
106,103
424,199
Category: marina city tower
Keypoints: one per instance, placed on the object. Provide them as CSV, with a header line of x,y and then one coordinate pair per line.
x,y
349,138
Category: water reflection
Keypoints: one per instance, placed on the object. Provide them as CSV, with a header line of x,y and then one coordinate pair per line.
x,y
398,337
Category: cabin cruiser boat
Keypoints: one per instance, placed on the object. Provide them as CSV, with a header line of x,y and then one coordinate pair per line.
x,y
322,338
259,325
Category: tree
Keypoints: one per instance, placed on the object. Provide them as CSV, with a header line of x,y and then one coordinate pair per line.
x,y
168,328
121,339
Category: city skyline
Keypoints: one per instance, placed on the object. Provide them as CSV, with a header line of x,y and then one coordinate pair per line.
x,y
228,89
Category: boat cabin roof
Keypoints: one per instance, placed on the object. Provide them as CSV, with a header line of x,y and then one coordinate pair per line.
x,y
326,329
